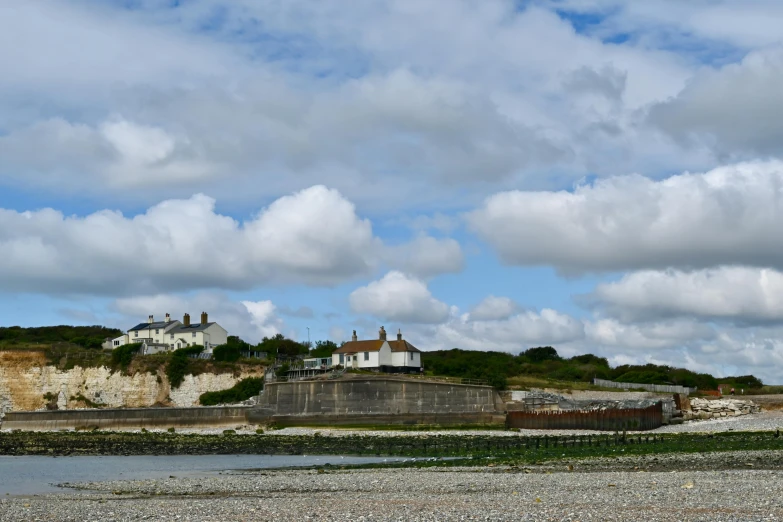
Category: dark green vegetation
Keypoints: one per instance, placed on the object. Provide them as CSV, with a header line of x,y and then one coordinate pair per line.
x,y
241,391
179,364
323,349
503,450
86,336
122,356
546,364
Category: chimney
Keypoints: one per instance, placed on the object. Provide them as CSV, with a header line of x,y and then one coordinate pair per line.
x,y
186,320
353,337
168,318
150,320
399,334
204,318
382,334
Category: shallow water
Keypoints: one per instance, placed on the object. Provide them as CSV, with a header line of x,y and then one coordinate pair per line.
x,y
29,475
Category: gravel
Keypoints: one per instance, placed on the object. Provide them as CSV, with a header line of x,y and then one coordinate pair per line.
x,y
548,492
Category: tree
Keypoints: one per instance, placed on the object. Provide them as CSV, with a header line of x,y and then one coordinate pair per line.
x,y
323,349
541,354
281,345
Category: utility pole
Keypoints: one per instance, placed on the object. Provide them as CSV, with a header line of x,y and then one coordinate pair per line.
x,y
309,347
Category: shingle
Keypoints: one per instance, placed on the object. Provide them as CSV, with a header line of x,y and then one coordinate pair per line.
x,y
360,346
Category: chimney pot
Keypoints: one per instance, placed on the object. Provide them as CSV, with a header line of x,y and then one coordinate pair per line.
x,y
186,320
168,318
399,334
150,319
353,337
204,318
382,334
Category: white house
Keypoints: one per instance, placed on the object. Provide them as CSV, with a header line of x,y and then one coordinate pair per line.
x,y
168,335
379,354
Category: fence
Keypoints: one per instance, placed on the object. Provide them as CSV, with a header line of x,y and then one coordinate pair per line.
x,y
601,420
658,388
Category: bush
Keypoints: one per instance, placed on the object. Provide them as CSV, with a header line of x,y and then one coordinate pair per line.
x,y
227,353
179,364
283,370
241,391
122,355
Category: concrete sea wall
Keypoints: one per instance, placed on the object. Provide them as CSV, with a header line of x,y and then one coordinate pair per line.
x,y
377,401
127,418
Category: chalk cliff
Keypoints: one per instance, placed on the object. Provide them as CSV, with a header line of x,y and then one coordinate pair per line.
x,y
28,383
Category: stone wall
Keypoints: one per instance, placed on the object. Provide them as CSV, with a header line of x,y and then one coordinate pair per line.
x,y
713,409
26,378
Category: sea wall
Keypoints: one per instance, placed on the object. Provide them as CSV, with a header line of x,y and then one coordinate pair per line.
x,y
28,383
377,401
127,418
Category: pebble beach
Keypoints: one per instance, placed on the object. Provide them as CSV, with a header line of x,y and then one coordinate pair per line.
x,y
726,486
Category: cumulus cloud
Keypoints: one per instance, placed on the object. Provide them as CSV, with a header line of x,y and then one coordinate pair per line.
x,y
313,236
736,110
721,217
493,308
514,333
250,320
427,256
737,294
398,297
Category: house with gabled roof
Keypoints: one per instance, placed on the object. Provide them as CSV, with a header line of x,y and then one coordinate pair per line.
x,y
168,335
395,356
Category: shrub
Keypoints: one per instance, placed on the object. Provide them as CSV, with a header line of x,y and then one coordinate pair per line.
x,y
227,353
179,364
282,371
122,355
241,391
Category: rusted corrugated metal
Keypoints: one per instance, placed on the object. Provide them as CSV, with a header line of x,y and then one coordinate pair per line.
x,y
602,420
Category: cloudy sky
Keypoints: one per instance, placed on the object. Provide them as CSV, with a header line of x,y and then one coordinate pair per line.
x,y
602,176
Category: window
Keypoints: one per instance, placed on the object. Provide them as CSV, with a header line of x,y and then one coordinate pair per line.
x,y
171,336
411,356
194,334
135,334
157,331
171,345
116,343
342,358
366,356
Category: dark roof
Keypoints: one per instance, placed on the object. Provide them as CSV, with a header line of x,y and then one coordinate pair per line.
x,y
197,327
402,346
360,346
145,326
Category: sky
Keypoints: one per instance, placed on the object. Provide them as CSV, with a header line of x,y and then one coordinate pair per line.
x,y
600,176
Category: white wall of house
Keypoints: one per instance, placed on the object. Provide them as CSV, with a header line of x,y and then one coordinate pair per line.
x,y
119,341
406,359
215,335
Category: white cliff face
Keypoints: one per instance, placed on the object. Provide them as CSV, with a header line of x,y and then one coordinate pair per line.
x,y
27,383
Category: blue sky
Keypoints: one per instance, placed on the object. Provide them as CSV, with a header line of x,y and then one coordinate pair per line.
x,y
597,176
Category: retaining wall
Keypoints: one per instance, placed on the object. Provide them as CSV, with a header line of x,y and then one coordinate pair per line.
x,y
127,418
376,401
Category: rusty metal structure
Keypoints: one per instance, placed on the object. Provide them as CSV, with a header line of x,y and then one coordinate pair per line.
x,y
610,419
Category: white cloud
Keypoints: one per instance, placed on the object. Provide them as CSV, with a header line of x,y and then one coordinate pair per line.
x,y
250,320
398,297
685,221
427,256
739,294
736,110
313,237
515,333
493,308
